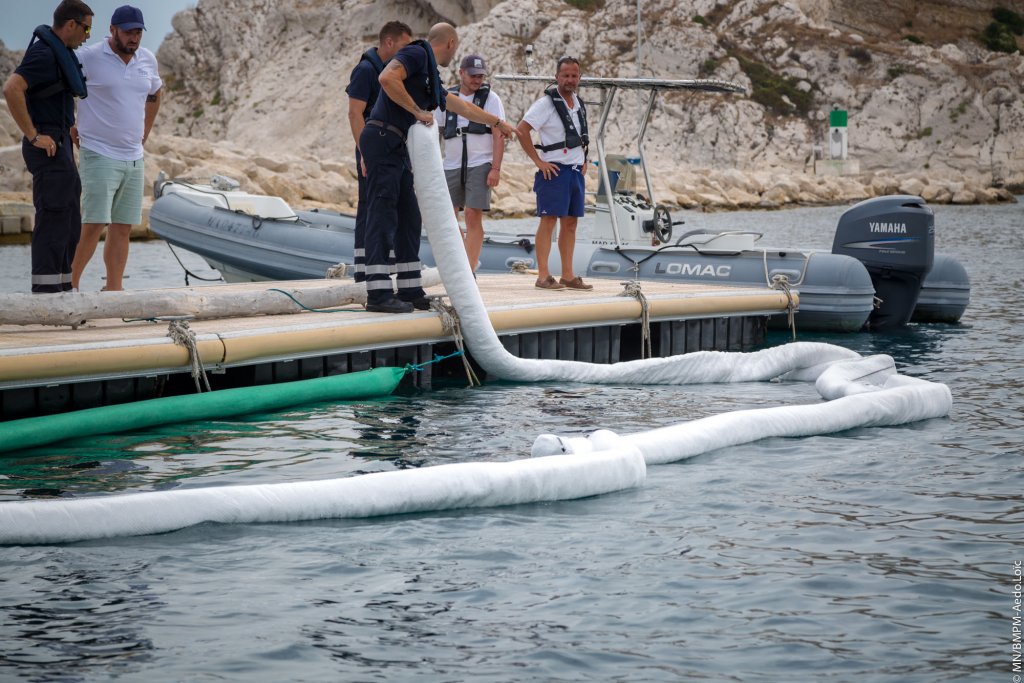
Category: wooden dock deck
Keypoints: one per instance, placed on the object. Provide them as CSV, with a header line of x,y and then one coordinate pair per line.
x,y
46,369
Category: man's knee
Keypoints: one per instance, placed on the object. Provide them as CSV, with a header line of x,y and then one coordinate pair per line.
x,y
547,222
121,231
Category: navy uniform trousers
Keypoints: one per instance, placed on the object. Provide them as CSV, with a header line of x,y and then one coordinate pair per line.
x,y
57,196
392,218
359,240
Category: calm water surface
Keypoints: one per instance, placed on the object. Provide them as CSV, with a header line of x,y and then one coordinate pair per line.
x,y
871,555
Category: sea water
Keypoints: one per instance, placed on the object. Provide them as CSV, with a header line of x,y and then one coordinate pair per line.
x,y
888,554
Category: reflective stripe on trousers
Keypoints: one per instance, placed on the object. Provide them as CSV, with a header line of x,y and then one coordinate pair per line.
x,y
57,196
392,219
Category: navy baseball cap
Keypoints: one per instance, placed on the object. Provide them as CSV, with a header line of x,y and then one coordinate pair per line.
x,y
473,65
127,18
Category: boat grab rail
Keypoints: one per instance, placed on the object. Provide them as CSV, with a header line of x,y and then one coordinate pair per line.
x,y
723,233
780,280
523,243
635,265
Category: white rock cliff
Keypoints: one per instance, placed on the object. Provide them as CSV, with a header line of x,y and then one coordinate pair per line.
x,y
256,88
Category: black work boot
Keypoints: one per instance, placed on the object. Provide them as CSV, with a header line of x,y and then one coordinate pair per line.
x,y
389,305
421,304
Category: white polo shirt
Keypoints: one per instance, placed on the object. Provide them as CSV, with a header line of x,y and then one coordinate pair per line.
x,y
544,119
480,149
111,120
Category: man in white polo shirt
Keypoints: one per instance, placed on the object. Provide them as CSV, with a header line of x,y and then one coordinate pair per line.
x,y
113,124
560,119
472,152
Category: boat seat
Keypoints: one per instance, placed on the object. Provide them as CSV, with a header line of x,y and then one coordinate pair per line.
x,y
730,242
243,202
259,205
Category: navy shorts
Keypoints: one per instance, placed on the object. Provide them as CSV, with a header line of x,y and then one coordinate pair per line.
x,y
562,195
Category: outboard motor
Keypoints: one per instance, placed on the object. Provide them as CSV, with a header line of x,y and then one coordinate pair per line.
x,y
894,237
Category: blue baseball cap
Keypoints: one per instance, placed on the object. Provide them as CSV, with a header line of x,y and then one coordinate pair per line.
x,y
127,18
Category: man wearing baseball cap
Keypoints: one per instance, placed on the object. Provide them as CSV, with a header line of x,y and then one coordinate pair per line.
x,y
472,152
113,124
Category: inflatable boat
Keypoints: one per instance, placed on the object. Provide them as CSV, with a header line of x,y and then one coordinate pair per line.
x,y
881,272
252,238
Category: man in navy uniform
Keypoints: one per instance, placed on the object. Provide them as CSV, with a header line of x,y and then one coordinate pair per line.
x,y
40,96
363,89
412,89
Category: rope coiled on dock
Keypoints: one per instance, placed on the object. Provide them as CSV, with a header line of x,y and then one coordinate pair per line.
x,y
182,335
450,324
632,288
338,270
780,281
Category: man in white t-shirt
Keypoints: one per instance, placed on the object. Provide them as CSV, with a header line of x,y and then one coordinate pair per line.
x,y
560,118
113,124
472,152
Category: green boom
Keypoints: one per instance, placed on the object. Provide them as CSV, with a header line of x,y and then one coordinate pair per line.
x,y
38,431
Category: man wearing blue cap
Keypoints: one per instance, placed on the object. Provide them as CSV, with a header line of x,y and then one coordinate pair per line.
x,y
113,124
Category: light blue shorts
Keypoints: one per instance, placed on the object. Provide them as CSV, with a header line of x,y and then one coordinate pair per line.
x,y
111,189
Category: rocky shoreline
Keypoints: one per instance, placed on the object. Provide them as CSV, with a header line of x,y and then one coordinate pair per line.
x,y
939,117
308,181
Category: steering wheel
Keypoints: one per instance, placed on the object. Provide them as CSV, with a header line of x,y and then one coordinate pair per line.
x,y
662,224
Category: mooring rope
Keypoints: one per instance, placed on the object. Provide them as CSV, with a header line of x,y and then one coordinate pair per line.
x,y
451,325
182,335
337,271
781,281
188,272
520,267
418,367
632,288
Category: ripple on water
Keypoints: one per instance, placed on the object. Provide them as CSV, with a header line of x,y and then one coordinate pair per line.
x,y
873,554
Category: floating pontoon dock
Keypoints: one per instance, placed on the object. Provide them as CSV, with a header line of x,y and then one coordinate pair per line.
x,y
48,369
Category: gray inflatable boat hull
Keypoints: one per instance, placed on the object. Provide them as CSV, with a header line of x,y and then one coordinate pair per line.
x,y
835,291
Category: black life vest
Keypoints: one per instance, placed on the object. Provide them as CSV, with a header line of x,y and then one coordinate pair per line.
x,y
69,76
573,138
451,120
374,59
435,93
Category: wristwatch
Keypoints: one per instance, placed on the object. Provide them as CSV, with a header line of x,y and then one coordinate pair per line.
x,y
33,140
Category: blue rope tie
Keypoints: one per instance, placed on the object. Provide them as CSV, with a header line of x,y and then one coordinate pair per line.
x,y
437,359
